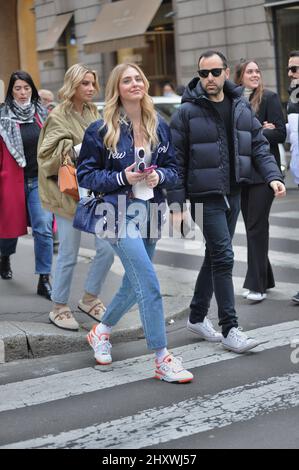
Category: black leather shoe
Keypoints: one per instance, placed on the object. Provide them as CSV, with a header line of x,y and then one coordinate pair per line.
x,y
44,287
5,269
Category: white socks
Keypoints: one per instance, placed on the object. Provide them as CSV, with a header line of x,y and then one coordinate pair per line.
x,y
102,329
161,354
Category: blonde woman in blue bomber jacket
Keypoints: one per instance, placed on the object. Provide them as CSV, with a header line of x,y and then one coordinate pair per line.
x,y
129,156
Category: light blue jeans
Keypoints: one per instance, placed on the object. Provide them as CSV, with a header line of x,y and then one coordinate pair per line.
x,y
69,244
139,285
41,222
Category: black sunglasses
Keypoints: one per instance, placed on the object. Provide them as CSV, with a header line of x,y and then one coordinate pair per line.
x,y
293,68
204,73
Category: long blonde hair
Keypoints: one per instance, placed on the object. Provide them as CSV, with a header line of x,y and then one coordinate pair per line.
x,y
113,116
257,94
72,79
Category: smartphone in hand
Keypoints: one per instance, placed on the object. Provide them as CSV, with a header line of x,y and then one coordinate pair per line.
x,y
148,169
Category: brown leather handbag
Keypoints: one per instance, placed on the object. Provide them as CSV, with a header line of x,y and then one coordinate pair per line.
x,y
67,180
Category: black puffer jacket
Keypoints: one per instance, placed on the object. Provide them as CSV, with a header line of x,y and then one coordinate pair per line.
x,y
200,142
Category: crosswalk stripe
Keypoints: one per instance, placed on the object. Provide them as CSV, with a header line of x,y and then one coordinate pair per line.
x,y
187,277
286,215
2,351
197,247
190,247
192,416
72,383
276,231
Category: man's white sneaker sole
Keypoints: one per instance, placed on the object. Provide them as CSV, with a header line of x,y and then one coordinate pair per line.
x,y
247,347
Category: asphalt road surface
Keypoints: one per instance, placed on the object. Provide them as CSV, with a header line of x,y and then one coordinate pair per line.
x,y
235,401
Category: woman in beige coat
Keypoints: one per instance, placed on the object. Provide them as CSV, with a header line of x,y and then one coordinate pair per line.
x,y
64,130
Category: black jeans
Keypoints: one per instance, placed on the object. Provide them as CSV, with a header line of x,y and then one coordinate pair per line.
x,y
219,222
8,246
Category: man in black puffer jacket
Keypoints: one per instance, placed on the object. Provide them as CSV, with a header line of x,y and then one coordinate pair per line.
x,y
218,144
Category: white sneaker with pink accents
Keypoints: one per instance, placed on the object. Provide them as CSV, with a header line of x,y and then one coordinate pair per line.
x,y
101,346
172,370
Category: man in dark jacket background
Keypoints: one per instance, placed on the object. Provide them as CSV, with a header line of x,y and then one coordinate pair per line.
x,y
218,142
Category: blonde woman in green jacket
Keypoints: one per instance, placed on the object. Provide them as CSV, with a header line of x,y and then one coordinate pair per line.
x,y
63,130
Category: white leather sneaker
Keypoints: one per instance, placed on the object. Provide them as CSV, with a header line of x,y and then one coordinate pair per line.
x,y
245,293
238,342
205,330
256,296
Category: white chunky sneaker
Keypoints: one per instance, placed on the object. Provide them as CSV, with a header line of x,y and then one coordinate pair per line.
x,y
172,370
101,346
256,296
205,330
238,342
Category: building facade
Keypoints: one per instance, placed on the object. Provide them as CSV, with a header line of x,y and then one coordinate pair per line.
x,y
102,33
17,40
262,30
165,37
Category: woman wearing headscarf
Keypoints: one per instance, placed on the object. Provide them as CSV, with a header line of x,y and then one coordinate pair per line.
x,y
21,120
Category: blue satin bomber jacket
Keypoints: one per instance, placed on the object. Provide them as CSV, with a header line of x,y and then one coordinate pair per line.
x,y
102,170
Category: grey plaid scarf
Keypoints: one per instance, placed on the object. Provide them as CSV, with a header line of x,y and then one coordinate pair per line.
x,y
10,119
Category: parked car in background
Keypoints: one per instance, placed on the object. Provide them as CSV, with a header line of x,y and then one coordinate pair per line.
x,y
165,105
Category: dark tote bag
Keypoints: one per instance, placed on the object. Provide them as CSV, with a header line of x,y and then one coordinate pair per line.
x,y
95,215
85,217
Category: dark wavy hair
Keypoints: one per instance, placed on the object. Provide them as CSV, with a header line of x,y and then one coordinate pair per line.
x,y
21,75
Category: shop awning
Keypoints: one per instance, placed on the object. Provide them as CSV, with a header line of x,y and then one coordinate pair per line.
x,y
54,32
280,3
121,24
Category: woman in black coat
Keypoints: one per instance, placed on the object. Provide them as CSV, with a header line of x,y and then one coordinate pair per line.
x,y
256,199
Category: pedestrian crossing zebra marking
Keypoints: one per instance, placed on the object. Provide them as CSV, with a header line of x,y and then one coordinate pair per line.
x,y
63,385
186,418
277,258
286,215
276,231
2,351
